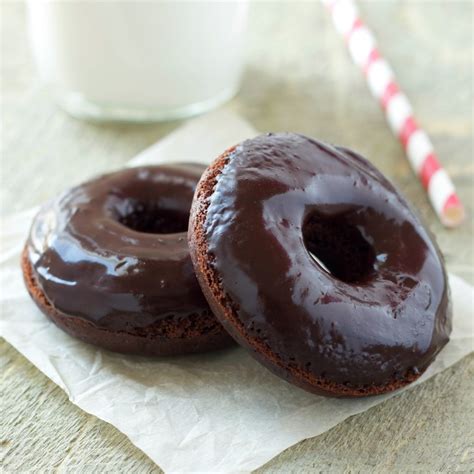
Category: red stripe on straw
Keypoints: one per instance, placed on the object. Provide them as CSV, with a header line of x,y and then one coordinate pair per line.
x,y
391,90
355,26
452,202
409,127
428,169
374,55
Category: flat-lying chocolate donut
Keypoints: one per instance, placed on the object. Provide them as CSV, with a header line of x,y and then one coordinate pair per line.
x,y
108,262
312,260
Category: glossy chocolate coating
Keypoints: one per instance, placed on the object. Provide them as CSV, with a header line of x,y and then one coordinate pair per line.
x,y
96,255
376,324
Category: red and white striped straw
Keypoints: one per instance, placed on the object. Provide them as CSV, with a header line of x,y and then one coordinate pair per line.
x,y
398,111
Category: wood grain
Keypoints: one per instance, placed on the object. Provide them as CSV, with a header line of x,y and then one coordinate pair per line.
x,y
299,78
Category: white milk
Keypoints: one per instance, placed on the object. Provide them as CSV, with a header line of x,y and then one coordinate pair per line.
x,y
139,60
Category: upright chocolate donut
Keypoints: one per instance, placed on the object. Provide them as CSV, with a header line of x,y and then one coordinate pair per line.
x,y
108,262
313,261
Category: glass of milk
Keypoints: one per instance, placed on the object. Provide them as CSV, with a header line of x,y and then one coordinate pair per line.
x,y
139,60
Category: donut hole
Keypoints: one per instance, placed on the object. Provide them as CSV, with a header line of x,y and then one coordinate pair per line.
x,y
339,247
151,218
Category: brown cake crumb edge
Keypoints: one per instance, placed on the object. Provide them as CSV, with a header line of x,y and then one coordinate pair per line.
x,y
226,312
167,337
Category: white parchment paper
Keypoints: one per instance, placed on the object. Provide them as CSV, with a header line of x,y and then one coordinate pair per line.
x,y
219,412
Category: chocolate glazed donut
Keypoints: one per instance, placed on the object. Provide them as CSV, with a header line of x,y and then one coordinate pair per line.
x,y
108,262
312,260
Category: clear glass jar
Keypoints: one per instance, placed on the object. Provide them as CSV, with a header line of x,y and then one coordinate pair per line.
x,y
139,60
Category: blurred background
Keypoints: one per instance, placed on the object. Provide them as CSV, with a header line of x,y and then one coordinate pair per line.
x,y
286,69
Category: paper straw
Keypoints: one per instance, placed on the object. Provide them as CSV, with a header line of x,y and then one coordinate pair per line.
x,y
398,111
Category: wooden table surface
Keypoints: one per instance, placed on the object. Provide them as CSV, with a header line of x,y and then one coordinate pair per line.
x,y
299,78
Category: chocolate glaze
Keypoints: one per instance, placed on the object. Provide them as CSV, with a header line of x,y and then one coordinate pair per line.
x,y
114,251
381,315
